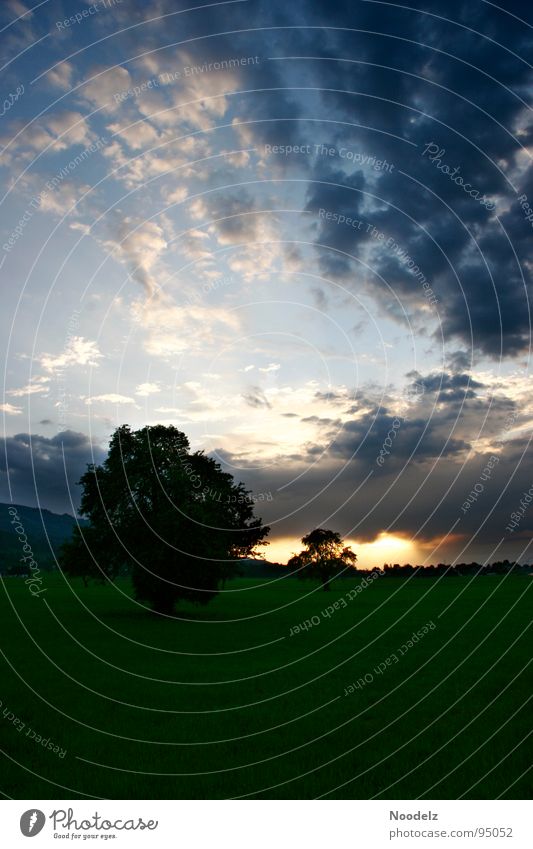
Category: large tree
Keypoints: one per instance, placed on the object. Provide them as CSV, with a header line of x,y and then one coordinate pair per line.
x,y
168,516
324,557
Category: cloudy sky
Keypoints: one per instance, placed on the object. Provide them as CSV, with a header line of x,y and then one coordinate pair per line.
x,y
300,232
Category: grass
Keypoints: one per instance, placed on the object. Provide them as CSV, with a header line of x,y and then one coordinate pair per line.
x,y
222,702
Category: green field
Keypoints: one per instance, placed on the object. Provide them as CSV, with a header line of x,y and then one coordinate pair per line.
x,y
224,703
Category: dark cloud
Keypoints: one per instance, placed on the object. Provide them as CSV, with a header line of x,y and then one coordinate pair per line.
x,y
414,440
429,469
255,397
414,77
422,500
459,361
233,216
332,199
448,387
45,471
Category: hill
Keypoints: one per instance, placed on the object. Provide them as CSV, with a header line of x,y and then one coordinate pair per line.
x,y
260,569
46,532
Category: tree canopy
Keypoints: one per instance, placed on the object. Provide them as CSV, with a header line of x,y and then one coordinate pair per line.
x,y
168,516
324,557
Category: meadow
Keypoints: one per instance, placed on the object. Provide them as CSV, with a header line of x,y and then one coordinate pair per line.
x,y
237,700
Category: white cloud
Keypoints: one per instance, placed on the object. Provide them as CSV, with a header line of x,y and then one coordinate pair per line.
x,y
139,246
237,158
62,199
100,90
145,389
137,136
203,96
110,398
61,76
10,409
163,159
255,261
68,128
37,385
196,98
176,195
78,351
174,329
55,132
78,225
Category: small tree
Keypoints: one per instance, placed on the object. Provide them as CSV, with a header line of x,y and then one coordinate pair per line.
x,y
325,557
171,518
88,555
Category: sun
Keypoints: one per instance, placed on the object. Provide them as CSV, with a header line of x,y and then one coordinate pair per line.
x,y
386,548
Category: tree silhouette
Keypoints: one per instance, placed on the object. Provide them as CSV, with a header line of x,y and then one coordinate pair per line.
x,y
325,556
78,556
171,518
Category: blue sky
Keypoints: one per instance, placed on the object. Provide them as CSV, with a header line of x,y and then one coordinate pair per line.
x,y
281,228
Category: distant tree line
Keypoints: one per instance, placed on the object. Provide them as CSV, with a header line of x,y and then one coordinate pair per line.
x,y
244,568
500,567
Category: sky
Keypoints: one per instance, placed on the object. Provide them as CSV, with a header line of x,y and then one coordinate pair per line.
x,y
301,233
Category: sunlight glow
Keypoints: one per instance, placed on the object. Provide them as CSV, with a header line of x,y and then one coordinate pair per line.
x,y
386,548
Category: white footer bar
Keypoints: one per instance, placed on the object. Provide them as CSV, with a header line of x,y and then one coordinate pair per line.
x,y
274,824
